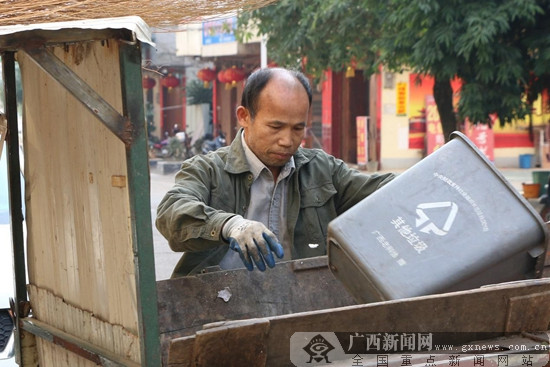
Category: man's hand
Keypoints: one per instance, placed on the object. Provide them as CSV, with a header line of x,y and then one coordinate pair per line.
x,y
253,241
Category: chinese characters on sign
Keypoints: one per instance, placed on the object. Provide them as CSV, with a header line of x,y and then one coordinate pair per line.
x,y
362,140
401,105
398,349
406,231
388,247
361,343
483,137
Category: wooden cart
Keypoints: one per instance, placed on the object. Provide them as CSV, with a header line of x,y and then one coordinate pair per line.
x,y
238,318
91,296
91,279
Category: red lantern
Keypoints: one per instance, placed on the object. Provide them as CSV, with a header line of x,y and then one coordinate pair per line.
x,y
206,75
234,75
148,83
350,70
222,78
170,81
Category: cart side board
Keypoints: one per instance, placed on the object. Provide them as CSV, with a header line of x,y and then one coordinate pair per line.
x,y
90,257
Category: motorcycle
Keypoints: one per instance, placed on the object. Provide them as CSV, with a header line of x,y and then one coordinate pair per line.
x,y
176,147
208,143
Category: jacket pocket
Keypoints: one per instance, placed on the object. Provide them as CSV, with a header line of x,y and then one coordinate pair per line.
x,y
317,209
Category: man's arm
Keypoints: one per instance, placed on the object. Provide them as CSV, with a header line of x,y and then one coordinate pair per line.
x,y
184,216
352,185
190,224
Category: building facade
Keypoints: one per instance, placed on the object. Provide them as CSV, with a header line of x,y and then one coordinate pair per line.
x,y
388,121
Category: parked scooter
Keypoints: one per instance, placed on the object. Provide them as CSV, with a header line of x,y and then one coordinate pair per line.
x,y
176,147
208,143
159,149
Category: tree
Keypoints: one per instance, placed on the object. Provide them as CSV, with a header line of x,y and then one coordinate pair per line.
x,y
498,48
316,35
197,93
490,45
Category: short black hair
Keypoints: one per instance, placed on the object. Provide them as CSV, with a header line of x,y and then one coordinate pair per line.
x,y
257,81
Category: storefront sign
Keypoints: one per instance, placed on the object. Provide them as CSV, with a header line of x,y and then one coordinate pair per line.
x,y
362,139
401,105
219,31
483,137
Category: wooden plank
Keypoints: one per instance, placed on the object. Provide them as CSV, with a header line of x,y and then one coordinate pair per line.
x,y
462,315
117,123
482,310
77,324
182,352
29,354
244,344
80,244
78,346
293,286
537,318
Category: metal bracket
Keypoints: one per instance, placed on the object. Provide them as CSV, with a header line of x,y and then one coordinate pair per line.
x,y
74,344
52,65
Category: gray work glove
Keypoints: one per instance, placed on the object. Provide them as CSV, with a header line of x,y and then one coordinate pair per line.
x,y
253,241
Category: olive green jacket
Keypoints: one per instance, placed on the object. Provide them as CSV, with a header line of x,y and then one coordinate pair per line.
x,y
211,188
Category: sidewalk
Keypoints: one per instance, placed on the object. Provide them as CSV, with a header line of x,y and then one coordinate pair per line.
x,y
516,176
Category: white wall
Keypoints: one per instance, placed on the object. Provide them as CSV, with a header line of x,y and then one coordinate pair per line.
x,y
394,134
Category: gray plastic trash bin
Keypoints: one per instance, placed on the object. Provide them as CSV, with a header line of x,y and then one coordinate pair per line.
x,y
451,222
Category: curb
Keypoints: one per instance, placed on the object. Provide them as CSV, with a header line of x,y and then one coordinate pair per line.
x,y
164,167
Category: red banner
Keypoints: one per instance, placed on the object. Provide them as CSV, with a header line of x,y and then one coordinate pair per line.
x,y
483,137
362,140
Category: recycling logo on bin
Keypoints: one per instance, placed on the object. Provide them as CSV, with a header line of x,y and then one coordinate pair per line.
x,y
426,224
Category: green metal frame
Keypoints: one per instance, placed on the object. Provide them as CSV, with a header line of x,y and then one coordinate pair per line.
x,y
14,187
140,203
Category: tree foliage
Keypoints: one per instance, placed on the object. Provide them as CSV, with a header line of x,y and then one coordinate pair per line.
x,y
500,49
492,46
197,93
315,35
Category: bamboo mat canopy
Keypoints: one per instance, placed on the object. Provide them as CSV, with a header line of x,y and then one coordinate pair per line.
x,y
156,13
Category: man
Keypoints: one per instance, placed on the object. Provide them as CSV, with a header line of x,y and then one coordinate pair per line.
x,y
263,194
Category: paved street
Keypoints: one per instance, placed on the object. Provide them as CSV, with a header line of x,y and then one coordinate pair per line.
x,y
166,259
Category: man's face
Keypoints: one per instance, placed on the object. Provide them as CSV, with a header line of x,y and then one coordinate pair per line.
x,y
279,125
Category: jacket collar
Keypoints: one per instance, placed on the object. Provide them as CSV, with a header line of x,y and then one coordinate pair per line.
x,y
237,163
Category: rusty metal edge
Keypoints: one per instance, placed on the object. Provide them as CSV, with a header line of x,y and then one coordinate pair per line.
x,y
76,345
